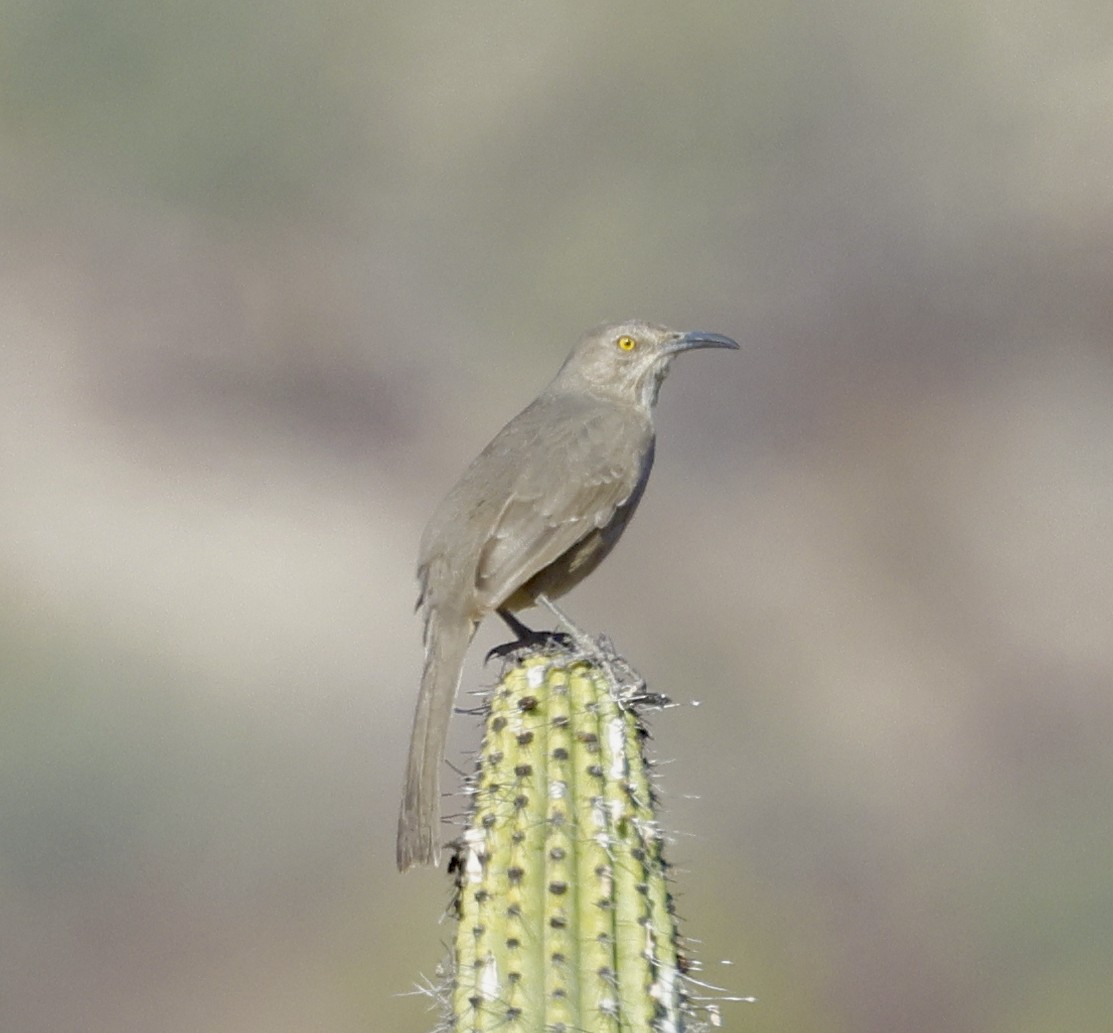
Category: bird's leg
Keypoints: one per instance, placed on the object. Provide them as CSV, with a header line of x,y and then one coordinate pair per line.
x,y
522,632
526,638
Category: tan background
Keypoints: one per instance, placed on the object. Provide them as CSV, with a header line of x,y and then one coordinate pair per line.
x,y
272,273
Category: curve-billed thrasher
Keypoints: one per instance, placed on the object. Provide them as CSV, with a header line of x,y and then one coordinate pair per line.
x,y
535,513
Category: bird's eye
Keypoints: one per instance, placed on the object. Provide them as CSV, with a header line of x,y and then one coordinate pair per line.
x,y
626,343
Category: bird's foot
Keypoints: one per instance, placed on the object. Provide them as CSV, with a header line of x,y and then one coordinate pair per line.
x,y
529,640
630,687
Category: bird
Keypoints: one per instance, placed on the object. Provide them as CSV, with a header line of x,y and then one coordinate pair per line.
x,y
535,513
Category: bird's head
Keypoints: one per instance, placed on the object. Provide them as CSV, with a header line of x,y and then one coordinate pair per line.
x,y
630,360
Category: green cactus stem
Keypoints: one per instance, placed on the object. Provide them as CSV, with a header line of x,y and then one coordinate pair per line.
x,y
565,922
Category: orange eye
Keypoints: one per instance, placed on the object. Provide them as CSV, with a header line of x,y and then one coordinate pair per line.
x,y
626,343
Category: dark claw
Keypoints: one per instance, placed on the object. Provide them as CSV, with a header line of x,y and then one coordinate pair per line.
x,y
548,640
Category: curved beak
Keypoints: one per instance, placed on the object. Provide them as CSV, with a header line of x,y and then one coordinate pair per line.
x,y
700,339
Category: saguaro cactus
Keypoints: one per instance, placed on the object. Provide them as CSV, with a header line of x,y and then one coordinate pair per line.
x,y
565,922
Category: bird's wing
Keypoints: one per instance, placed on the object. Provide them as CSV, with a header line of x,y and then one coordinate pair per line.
x,y
594,464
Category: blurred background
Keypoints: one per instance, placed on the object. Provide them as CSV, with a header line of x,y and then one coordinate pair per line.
x,y
270,276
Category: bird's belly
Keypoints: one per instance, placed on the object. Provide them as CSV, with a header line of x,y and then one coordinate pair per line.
x,y
567,570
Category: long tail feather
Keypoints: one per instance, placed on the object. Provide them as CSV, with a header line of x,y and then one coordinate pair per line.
x,y
418,837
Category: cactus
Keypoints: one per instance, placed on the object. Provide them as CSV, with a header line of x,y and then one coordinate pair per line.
x,y
565,921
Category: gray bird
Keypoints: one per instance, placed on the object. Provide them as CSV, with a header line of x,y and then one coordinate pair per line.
x,y
532,516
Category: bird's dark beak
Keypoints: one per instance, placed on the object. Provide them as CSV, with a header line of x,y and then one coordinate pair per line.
x,y
700,339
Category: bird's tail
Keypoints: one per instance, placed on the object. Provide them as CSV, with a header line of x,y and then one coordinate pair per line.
x,y
446,643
